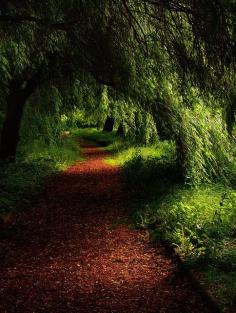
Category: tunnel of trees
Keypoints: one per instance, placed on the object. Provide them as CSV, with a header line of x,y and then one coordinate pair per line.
x,y
159,56
148,70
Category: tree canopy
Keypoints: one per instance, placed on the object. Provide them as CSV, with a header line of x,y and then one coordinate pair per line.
x,y
160,57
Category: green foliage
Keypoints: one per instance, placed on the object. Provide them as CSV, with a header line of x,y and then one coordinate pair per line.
x,y
197,221
21,182
223,285
95,136
145,161
208,150
195,122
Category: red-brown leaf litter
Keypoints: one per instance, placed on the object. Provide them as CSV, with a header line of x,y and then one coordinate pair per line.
x,y
75,252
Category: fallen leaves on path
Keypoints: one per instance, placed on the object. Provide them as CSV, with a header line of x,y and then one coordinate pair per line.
x,y
73,254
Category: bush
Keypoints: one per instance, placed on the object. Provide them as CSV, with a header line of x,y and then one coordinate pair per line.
x,y
196,221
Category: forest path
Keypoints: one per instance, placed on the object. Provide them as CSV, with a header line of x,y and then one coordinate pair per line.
x,y
75,252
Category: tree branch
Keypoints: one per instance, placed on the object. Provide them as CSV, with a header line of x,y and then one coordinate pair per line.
x,y
63,25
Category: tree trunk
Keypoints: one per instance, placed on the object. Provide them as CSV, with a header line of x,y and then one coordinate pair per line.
x,y
109,124
120,131
11,127
15,106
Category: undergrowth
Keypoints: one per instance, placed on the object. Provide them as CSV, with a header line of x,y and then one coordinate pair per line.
x,y
95,136
198,221
21,182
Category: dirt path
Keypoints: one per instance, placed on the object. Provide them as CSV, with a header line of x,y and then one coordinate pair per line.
x,y
73,254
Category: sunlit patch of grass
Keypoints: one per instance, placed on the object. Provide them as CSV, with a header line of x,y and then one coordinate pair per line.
x,y
197,221
95,136
126,152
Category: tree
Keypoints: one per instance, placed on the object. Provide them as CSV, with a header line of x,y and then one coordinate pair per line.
x,y
120,131
66,48
16,100
109,124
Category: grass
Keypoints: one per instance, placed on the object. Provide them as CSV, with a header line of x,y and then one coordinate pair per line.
x,y
60,154
222,285
125,153
95,136
199,222
21,182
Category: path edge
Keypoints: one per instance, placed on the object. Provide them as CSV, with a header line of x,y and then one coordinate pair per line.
x,y
210,300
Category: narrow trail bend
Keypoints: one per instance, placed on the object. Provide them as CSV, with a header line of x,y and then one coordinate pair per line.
x,y
74,253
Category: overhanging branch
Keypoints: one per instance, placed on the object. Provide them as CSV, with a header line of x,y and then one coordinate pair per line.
x,y
62,25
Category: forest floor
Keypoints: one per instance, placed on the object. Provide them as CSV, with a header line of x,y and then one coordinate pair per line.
x,y
77,251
